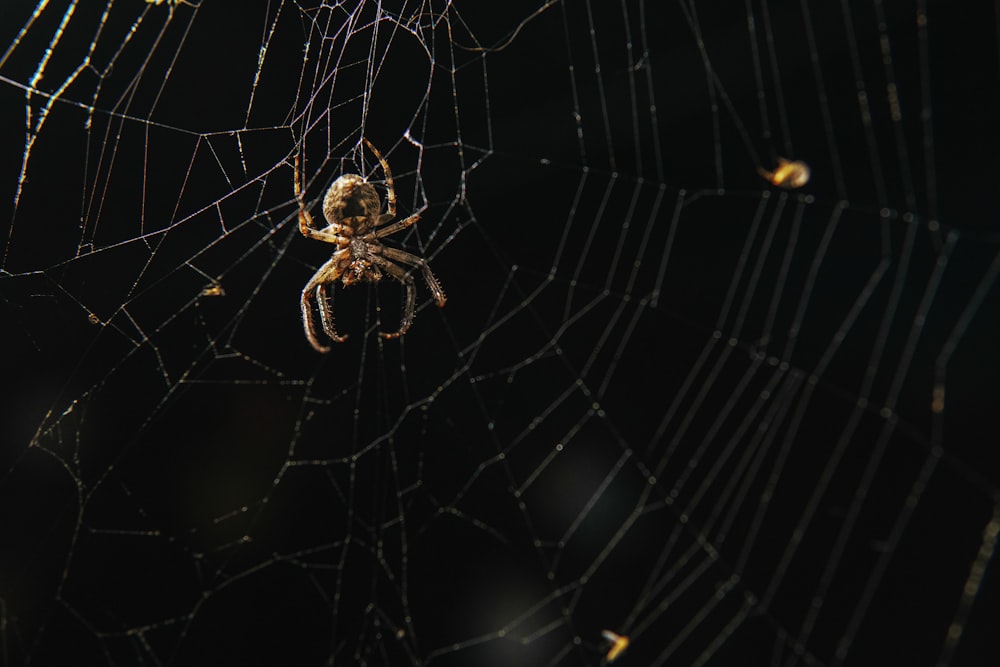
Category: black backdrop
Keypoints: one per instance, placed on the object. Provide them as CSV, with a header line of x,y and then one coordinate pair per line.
x,y
549,456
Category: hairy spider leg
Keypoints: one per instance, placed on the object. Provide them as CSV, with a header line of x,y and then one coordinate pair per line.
x,y
418,262
409,306
329,234
324,300
390,197
328,273
395,227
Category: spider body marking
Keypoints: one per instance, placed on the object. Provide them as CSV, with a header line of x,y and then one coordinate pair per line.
x,y
355,224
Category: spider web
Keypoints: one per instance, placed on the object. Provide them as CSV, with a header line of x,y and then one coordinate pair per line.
x,y
733,423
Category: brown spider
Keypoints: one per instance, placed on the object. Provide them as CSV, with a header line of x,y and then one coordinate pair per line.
x,y
352,208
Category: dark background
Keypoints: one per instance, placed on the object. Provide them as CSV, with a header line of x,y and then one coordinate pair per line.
x,y
663,398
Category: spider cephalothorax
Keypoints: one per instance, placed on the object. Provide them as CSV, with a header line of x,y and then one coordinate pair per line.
x,y
355,224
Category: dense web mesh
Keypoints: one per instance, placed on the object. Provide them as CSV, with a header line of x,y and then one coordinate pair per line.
x,y
666,404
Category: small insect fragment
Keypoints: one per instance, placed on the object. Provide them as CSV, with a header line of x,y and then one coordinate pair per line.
x,y
618,644
215,289
790,174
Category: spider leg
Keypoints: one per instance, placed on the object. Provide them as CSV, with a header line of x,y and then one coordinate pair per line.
x,y
390,197
409,306
404,257
307,322
306,223
325,303
327,273
396,226
329,234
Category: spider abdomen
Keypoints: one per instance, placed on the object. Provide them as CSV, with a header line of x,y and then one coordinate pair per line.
x,y
350,196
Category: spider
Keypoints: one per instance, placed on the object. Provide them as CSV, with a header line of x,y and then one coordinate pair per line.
x,y
355,224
